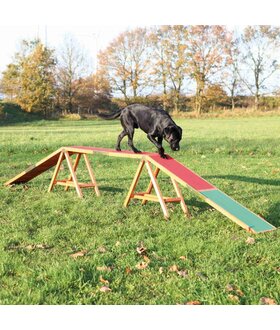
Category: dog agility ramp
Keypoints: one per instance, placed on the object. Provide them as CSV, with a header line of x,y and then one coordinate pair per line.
x,y
177,171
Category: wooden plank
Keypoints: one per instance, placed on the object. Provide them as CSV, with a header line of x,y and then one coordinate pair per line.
x,y
154,198
237,212
72,184
143,195
110,152
134,183
36,169
180,173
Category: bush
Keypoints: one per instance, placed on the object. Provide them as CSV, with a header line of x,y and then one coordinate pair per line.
x,y
72,116
2,112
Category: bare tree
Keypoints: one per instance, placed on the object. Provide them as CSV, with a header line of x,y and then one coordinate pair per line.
x,y
208,49
71,66
160,43
170,54
230,76
259,57
126,63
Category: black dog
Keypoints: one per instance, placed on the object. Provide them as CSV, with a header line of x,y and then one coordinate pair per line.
x,y
156,123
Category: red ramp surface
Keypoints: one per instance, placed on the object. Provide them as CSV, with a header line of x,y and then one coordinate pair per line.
x,y
183,174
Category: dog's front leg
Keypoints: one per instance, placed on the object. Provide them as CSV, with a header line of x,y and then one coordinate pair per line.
x,y
157,144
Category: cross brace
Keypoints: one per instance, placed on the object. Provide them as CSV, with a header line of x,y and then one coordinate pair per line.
x,y
147,196
72,180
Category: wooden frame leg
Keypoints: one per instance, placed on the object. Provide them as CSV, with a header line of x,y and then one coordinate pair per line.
x,y
91,174
76,163
157,190
150,186
73,174
179,194
58,164
134,183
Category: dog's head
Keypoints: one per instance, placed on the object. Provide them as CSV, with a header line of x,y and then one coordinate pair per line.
x,y
173,135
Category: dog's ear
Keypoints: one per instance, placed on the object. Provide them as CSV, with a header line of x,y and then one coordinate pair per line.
x,y
167,130
180,130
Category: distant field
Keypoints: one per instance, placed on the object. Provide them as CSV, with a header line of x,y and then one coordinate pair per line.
x,y
207,259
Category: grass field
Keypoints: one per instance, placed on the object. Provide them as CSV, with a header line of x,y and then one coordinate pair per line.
x,y
207,259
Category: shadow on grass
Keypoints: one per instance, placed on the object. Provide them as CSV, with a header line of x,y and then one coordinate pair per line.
x,y
274,215
200,205
111,189
270,182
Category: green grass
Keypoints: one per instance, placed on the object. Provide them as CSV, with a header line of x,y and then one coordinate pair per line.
x,y
239,156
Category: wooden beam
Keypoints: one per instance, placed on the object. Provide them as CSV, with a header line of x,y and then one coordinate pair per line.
x,y
57,167
154,198
157,189
134,183
150,186
180,196
72,184
73,174
77,160
91,174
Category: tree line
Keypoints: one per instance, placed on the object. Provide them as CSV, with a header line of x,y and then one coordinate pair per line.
x,y
176,67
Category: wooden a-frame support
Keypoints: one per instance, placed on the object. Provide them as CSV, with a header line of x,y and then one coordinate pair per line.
x,y
147,196
72,180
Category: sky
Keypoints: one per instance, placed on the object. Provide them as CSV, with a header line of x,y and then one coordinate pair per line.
x,y
94,23
90,38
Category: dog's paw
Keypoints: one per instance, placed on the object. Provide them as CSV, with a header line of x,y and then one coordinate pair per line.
x,y
137,151
118,149
163,156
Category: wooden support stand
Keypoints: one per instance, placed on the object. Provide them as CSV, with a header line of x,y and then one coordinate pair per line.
x,y
72,180
147,196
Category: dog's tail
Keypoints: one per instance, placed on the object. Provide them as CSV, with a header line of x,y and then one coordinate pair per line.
x,y
109,116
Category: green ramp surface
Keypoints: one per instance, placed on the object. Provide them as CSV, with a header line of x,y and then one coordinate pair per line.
x,y
236,211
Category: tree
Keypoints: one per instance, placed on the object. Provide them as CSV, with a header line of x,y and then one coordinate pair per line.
x,y
259,63
208,48
160,44
94,93
230,75
170,68
214,95
71,67
126,63
37,79
10,82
